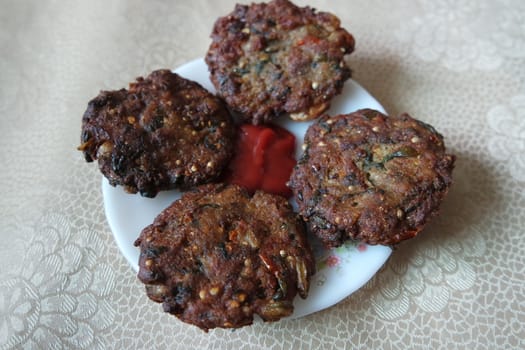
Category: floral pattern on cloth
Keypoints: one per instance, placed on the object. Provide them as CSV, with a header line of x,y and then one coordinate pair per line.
x,y
507,143
447,33
59,299
426,280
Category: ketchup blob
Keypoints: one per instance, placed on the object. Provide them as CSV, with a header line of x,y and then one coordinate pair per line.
x,y
264,159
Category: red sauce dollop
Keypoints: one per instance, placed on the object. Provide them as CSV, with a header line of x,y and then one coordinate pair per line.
x,y
264,159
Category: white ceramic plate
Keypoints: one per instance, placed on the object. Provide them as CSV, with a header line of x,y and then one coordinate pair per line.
x,y
340,271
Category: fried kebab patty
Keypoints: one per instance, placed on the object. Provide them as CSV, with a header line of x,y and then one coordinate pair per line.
x,y
217,256
275,58
164,132
370,177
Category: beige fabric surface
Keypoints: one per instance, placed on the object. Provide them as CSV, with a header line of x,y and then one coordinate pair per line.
x,y
459,65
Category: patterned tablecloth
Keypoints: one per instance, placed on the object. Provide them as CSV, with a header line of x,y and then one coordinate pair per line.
x,y
459,65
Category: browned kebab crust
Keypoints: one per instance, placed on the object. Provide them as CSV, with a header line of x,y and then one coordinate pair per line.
x,y
217,256
370,177
164,132
275,58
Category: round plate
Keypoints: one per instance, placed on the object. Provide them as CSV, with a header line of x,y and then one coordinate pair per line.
x,y
340,271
